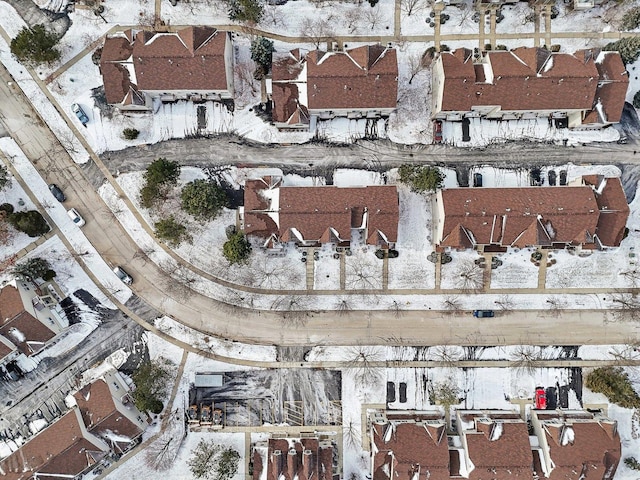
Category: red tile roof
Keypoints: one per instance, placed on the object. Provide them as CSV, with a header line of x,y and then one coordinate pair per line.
x,y
191,59
528,79
59,449
407,449
16,323
528,216
361,78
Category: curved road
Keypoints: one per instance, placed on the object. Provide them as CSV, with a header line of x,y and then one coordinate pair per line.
x,y
205,314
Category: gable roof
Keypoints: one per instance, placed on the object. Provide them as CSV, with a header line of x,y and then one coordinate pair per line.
x,y
101,416
20,327
409,449
527,79
498,446
298,459
527,216
62,449
359,78
581,446
193,58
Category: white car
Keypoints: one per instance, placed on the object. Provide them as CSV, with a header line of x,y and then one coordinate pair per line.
x,y
122,275
75,217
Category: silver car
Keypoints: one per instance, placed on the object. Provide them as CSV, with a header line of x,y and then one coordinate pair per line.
x,y
122,275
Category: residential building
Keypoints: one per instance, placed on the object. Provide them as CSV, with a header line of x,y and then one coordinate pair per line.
x,y
495,444
65,449
30,317
575,445
109,412
584,89
411,446
355,83
311,216
102,420
590,213
140,67
306,458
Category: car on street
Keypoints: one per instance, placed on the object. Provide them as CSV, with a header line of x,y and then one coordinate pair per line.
x,y
122,275
56,192
437,131
75,217
483,313
77,109
540,401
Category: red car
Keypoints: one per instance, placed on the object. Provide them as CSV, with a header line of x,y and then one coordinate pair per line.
x,y
437,131
540,401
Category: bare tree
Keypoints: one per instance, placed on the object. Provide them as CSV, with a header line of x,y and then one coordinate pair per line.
x,y
452,303
246,86
622,354
396,308
628,307
273,16
351,18
505,303
161,454
352,435
526,358
293,310
343,307
416,65
362,272
632,276
363,363
469,277
178,279
410,7
276,275
373,17
556,305
447,354
316,30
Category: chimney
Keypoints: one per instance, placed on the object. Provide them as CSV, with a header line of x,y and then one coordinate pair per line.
x,y
307,464
292,463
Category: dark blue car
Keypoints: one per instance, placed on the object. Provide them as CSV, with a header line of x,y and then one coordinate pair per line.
x,y
483,313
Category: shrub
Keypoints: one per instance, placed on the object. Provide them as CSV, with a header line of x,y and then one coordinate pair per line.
x,y
29,222
421,179
636,99
487,46
237,249
614,383
203,199
5,179
161,174
171,231
7,207
501,47
632,463
555,47
130,133
631,19
35,45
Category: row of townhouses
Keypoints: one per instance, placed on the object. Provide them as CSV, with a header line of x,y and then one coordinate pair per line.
x,y
583,89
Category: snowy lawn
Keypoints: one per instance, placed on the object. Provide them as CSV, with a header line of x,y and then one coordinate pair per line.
x,y
327,269
516,271
16,241
461,20
363,270
514,19
461,273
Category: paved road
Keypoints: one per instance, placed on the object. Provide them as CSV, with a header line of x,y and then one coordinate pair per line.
x,y
205,314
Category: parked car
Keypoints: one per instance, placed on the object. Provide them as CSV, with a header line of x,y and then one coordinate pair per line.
x,y
77,109
437,131
483,313
56,192
75,217
540,401
122,275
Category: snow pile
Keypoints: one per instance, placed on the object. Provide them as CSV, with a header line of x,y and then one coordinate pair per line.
x,y
568,436
36,425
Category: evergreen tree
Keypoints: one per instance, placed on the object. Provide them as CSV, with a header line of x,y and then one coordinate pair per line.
x,y
152,384
171,231
421,178
35,45
33,268
249,11
203,199
237,249
628,47
262,53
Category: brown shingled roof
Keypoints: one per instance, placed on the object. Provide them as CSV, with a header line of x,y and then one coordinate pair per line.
x,y
299,459
16,323
361,78
523,79
411,448
60,449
